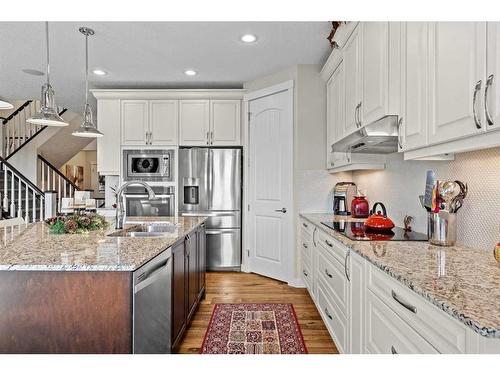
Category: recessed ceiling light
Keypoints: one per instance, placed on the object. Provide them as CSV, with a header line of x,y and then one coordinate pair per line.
x,y
99,72
248,38
33,72
190,72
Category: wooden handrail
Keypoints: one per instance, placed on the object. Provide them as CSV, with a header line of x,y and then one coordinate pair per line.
x,y
14,114
20,175
66,179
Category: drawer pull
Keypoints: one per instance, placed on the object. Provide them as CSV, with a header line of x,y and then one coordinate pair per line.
x,y
393,350
305,246
328,243
305,273
305,225
328,314
328,274
406,305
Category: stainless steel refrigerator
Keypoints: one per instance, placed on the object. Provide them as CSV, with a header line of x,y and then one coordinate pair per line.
x,y
210,185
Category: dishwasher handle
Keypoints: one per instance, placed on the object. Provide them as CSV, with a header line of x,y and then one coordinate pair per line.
x,y
151,276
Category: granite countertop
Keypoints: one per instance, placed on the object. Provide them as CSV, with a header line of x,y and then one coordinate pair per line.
x,y
32,247
463,282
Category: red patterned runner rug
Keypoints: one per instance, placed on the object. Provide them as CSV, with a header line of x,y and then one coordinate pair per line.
x,y
253,328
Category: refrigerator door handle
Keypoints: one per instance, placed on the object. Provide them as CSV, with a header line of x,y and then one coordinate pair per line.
x,y
210,178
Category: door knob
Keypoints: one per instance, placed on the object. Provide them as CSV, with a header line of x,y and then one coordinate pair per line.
x,y
283,210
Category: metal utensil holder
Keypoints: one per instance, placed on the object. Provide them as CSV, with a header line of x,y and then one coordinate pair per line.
x,y
442,228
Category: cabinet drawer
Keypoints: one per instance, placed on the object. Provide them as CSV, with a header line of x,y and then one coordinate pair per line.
x,y
306,226
332,246
306,272
434,325
332,273
335,321
387,333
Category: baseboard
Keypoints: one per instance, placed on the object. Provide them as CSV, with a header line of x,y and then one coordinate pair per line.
x,y
297,283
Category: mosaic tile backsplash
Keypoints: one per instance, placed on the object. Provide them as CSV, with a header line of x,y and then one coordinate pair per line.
x,y
398,186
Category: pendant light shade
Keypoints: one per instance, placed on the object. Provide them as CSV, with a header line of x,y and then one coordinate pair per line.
x,y
88,128
5,105
48,114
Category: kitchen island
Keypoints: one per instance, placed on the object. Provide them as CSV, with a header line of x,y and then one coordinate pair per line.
x,y
76,293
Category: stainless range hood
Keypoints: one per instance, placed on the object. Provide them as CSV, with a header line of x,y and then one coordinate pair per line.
x,y
379,137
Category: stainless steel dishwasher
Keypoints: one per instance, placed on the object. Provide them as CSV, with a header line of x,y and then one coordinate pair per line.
x,y
153,306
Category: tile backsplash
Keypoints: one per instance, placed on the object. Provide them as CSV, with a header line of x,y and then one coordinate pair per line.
x,y
398,187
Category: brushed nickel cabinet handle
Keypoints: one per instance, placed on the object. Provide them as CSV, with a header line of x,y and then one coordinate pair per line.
x,y
477,120
405,304
305,225
328,274
305,273
489,82
208,138
328,314
305,246
359,115
356,113
314,236
328,243
400,144
346,269
212,137
393,350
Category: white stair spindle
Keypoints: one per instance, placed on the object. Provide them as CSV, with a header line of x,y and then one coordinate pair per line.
x,y
42,215
34,205
19,199
53,180
12,196
5,190
59,190
26,205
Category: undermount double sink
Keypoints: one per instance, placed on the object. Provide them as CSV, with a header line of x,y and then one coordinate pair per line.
x,y
147,230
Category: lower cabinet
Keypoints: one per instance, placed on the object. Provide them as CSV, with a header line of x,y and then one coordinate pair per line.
x,y
188,281
367,311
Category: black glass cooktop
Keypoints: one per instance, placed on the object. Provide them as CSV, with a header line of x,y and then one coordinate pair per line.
x,y
356,231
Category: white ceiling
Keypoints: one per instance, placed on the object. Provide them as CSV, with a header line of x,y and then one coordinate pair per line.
x,y
152,54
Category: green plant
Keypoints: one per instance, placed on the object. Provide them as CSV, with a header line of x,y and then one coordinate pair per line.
x,y
78,224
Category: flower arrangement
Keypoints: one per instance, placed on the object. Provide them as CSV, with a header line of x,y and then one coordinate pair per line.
x,y
77,224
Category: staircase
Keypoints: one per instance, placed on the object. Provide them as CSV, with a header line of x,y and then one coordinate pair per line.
x,y
17,132
19,196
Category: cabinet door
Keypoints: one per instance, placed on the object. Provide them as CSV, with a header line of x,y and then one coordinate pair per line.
x,y
356,271
414,57
375,71
457,70
134,122
194,122
164,122
192,275
202,259
352,74
178,293
225,119
108,147
335,110
492,95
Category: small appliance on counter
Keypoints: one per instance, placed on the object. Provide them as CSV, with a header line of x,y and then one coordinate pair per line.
x,y
343,194
359,206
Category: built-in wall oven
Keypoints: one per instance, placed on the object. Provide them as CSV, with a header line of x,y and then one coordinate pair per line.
x,y
137,203
148,165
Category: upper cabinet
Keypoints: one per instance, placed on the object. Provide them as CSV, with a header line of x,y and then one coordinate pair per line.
x,y
194,122
456,79
108,146
335,110
149,122
352,92
210,122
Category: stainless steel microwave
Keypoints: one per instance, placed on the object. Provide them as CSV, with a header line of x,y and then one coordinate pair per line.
x,y
148,165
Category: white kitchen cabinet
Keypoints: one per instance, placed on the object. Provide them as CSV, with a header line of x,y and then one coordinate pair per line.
x,y
374,71
356,273
352,79
108,146
387,333
492,87
194,122
225,122
414,77
335,110
457,53
135,122
164,119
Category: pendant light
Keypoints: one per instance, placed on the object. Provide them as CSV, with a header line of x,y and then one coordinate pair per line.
x,y
87,128
48,114
5,105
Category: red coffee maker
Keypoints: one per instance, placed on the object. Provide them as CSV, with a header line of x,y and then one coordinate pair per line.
x,y
359,206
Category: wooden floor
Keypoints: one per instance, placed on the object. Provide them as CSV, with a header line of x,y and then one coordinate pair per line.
x,y
235,287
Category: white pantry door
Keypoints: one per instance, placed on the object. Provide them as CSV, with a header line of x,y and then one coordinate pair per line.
x,y
270,184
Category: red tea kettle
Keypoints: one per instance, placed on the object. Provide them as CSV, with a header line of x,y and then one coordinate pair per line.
x,y
377,221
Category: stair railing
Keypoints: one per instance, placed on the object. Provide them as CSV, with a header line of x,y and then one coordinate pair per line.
x,y
50,178
21,198
17,132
